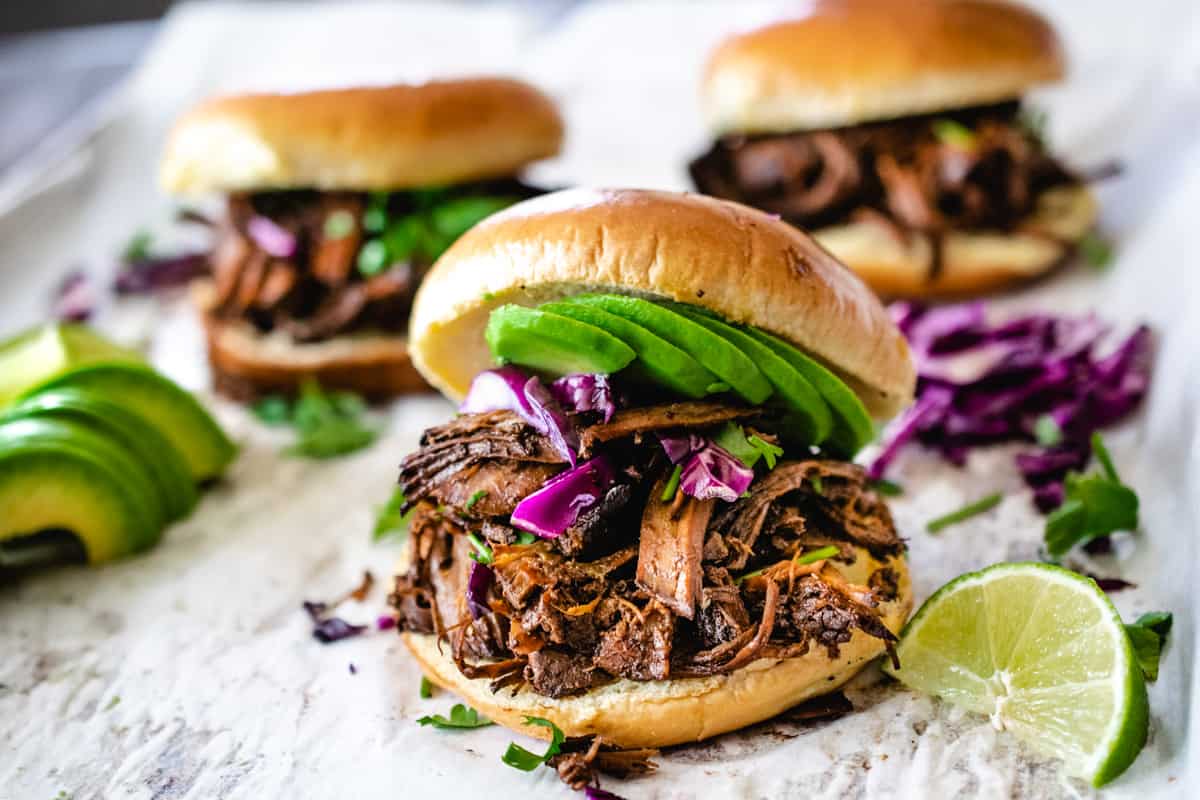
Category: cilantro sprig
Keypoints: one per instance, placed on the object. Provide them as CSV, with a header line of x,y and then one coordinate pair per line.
x,y
1095,505
461,718
747,449
326,424
389,521
1148,635
520,758
966,512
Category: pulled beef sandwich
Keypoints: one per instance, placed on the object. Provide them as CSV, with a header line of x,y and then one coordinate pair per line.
x,y
643,526
895,132
338,202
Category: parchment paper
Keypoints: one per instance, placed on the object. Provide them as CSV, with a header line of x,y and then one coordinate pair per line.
x,y
190,673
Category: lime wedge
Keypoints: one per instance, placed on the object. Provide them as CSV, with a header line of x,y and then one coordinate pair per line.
x,y
1041,651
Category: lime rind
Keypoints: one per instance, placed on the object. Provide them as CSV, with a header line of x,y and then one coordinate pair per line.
x,y
1043,652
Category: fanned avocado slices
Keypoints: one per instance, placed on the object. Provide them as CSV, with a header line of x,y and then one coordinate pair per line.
x,y
806,406
722,358
658,360
552,343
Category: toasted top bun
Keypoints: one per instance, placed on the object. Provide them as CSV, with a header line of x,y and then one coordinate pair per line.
x,y
737,261
633,714
377,138
853,61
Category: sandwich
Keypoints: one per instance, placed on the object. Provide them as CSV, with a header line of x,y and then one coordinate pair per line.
x,y
643,524
896,133
337,203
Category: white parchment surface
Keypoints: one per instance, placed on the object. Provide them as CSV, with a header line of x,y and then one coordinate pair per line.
x,y
190,673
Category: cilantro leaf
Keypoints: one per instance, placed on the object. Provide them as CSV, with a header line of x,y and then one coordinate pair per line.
x,y
887,488
461,717
520,758
273,410
474,498
1047,431
964,513
525,537
426,690
1096,251
390,521
668,492
953,133
1148,636
732,439
326,425
1157,621
770,452
481,553
1095,506
821,553
138,247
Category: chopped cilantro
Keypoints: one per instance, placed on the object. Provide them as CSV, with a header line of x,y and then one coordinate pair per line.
x,y
1095,505
427,689
770,452
887,488
326,425
520,758
460,717
1035,122
525,537
338,225
1104,457
964,513
1047,431
828,551
1148,636
138,247
953,133
732,438
475,498
748,575
668,492
116,699
817,484
1096,251
372,257
273,410
482,553
389,520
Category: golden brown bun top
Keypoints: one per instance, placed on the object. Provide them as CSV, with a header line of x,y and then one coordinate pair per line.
x,y
739,262
852,61
371,138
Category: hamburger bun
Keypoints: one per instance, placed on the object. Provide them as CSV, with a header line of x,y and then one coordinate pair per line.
x,y
632,714
376,138
248,365
973,262
853,61
736,261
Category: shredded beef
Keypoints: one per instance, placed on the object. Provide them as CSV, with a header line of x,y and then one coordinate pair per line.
x,y
637,422
669,555
558,674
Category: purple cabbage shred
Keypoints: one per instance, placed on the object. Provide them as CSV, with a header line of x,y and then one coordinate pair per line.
x,y
479,580
596,793
335,629
585,392
982,383
75,299
156,274
510,389
709,471
552,509
273,238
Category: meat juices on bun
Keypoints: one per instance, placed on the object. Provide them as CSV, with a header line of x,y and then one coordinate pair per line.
x,y
644,524
895,132
338,202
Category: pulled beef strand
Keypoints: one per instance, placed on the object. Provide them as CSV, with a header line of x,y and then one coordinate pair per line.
x,y
637,422
669,551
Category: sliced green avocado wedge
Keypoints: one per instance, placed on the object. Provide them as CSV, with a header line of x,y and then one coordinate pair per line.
x,y
168,469
807,408
56,474
37,355
658,360
554,344
172,411
716,354
852,426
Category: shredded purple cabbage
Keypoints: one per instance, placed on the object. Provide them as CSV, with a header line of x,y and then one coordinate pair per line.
x,y
75,299
479,580
274,239
983,383
585,392
709,470
509,388
334,629
596,793
155,274
385,622
552,509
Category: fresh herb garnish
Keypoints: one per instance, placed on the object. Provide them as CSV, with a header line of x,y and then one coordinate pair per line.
x,y
326,425
953,133
821,553
887,488
770,452
138,247
372,257
525,537
113,703
817,484
390,521
1095,505
475,498
426,689
1035,122
747,576
964,513
374,219
482,553
668,492
1047,431
747,449
1148,636
273,410
461,717
520,758
338,225
1096,251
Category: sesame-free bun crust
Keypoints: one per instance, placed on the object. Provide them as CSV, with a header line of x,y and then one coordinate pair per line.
x,y
972,262
247,365
633,714
853,61
371,138
736,261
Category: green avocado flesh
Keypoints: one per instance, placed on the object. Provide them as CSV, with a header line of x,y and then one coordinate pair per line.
x,y
169,409
37,355
723,359
852,426
554,344
168,469
658,360
806,406
59,474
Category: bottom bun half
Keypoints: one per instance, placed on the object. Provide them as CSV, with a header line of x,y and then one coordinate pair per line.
x,y
972,262
634,714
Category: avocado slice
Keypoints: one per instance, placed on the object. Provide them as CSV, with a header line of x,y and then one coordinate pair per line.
x,y
658,360
36,355
551,343
852,426
168,469
725,360
59,474
807,408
